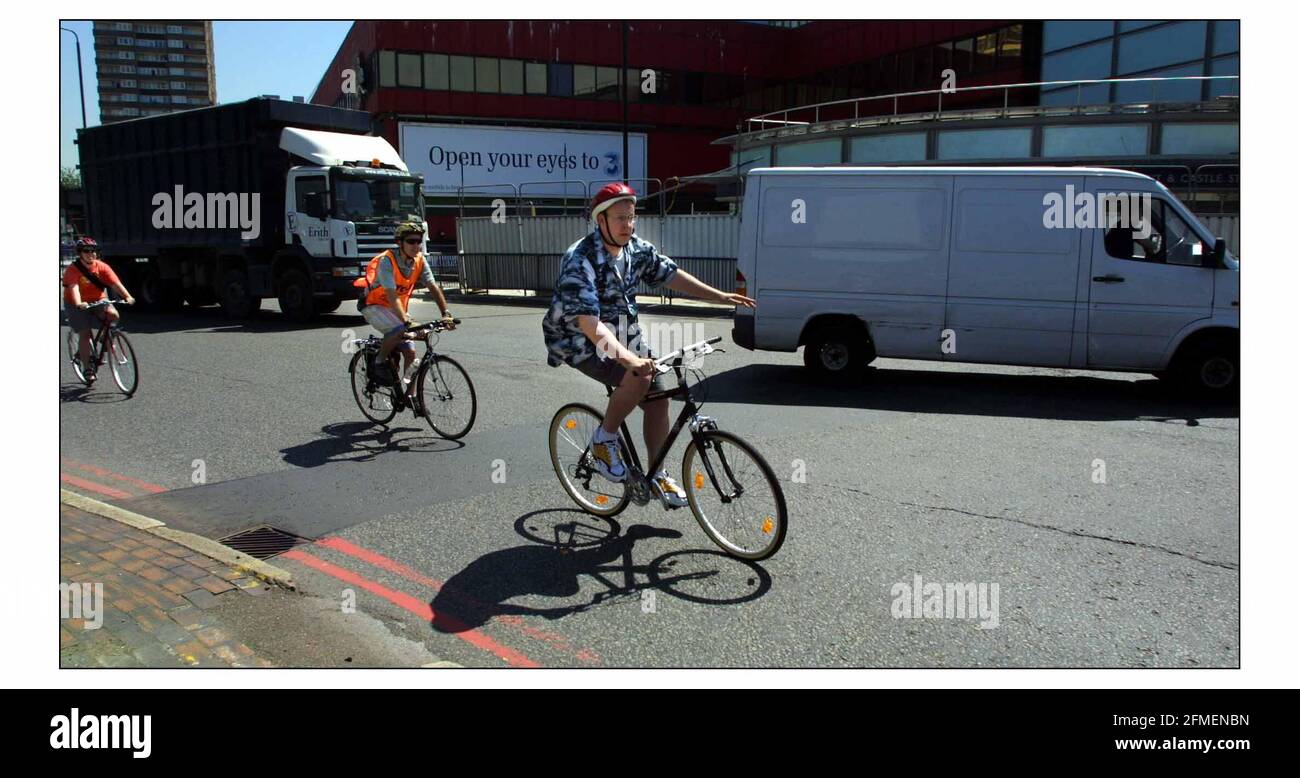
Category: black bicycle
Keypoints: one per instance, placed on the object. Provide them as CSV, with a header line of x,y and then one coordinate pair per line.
x,y
730,488
444,395
109,344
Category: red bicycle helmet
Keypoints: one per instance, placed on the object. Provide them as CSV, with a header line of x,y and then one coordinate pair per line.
x,y
87,242
610,194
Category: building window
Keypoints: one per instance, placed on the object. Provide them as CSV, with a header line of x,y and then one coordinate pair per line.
x,y
1171,44
1226,35
1111,140
877,149
1060,35
1162,91
1209,139
122,26
174,29
175,44
436,73
487,75
607,83
1224,66
170,58
584,80
462,73
408,70
1010,46
512,76
985,144
535,78
388,68
986,52
815,152
1082,63
126,41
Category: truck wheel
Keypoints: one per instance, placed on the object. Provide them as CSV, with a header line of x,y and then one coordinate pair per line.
x,y
199,296
235,300
837,353
1210,368
296,300
328,304
160,294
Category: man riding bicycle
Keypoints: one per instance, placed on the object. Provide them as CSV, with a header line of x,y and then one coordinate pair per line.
x,y
86,281
596,291
389,281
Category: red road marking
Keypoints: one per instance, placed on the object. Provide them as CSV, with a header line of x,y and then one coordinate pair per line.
x,y
94,487
393,566
414,605
99,471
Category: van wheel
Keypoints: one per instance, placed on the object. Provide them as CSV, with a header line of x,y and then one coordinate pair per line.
x,y
1210,368
296,300
236,302
836,353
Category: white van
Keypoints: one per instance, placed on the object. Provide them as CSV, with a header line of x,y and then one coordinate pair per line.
x,y
994,265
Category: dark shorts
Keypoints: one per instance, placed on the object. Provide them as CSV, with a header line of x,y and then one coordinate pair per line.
x,y
610,373
81,320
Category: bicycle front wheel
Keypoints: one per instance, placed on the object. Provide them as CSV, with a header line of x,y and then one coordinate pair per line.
x,y
447,397
74,345
735,496
122,362
375,401
569,438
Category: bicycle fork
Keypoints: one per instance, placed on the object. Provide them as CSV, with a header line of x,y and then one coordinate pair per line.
x,y
704,444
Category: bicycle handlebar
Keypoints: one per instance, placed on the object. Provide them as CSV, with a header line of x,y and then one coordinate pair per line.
x,y
668,361
106,301
436,325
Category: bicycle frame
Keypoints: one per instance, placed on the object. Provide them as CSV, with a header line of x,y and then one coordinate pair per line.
x,y
689,413
99,342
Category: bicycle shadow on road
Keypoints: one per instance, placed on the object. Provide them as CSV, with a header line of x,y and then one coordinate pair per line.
x,y
569,544
1031,396
363,441
79,392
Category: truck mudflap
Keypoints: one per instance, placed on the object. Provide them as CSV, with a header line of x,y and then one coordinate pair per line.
x,y
742,331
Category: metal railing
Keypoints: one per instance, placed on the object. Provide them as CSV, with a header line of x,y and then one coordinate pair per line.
x,y
537,273
796,126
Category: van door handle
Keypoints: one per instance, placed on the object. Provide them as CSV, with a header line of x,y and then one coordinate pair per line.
x,y
1109,279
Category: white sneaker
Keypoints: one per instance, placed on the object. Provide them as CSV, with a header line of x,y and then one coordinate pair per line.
x,y
605,458
673,494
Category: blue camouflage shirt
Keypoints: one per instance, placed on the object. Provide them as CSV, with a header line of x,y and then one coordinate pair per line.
x,y
589,285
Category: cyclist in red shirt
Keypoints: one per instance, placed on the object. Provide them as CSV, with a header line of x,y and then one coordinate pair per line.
x,y
80,289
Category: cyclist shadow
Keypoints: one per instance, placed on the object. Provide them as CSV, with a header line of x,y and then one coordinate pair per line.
x,y
79,392
569,544
363,441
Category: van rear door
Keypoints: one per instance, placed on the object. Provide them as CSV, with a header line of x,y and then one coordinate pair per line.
x,y
870,246
1012,279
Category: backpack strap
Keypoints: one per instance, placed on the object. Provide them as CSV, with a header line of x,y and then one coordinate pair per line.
x,y
89,276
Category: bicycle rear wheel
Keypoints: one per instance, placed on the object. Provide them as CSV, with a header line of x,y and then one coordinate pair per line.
x,y
74,345
122,362
446,396
374,400
568,439
735,496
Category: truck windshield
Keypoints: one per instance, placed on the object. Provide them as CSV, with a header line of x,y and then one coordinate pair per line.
x,y
363,198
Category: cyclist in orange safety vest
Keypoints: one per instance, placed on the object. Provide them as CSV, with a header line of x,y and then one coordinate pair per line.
x,y
390,279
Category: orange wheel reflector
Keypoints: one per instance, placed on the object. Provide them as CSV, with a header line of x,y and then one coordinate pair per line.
x,y
601,499
767,525
699,480
570,424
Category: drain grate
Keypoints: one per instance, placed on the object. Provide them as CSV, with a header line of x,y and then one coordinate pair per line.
x,y
264,542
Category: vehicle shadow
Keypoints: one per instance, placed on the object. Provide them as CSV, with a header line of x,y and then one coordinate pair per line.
x,y
363,441
566,545
211,320
1037,396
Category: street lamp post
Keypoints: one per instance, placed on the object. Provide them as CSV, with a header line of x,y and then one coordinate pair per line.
x,y
81,84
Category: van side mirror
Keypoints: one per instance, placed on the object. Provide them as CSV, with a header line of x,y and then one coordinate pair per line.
x,y
1220,251
313,205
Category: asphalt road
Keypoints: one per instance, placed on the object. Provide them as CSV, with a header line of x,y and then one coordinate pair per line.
x,y
1096,514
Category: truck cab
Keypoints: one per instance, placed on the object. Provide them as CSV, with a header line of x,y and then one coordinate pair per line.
x,y
343,208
